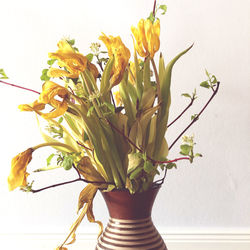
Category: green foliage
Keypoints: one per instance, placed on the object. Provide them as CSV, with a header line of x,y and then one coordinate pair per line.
x,y
90,56
171,165
51,61
193,96
187,148
49,159
44,76
27,188
210,82
55,130
2,74
162,8
63,159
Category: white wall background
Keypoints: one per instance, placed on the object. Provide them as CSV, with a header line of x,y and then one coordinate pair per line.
x,y
213,194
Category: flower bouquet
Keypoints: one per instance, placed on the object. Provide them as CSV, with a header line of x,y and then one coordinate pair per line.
x,y
108,118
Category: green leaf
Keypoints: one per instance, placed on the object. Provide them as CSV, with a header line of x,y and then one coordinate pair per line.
x,y
198,155
208,74
186,95
163,7
171,165
90,57
51,61
44,76
151,17
162,116
205,84
4,76
194,116
148,167
105,84
60,120
136,172
185,149
49,159
67,163
110,107
213,79
71,42
90,110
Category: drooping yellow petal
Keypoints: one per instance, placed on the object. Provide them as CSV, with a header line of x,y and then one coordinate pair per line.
x,y
53,72
86,204
50,91
35,106
18,174
121,54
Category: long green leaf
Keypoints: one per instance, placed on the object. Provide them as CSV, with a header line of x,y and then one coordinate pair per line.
x,y
162,117
105,84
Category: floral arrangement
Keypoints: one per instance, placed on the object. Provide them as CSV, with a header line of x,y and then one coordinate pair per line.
x,y
108,119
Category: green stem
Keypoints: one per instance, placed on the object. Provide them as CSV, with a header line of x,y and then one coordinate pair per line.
x,y
53,144
158,88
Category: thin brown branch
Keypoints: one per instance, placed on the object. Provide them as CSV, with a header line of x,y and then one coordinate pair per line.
x,y
180,115
154,8
18,86
197,117
139,149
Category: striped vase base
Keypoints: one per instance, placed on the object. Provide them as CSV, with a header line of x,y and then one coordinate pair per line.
x,y
130,226
138,234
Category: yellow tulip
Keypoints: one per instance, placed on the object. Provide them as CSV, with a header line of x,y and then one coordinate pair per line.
x,y
18,174
74,62
146,35
121,54
50,90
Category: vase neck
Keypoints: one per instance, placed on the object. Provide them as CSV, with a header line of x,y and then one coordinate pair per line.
x,y
123,205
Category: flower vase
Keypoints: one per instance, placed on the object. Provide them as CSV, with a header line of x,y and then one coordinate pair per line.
x,y
130,225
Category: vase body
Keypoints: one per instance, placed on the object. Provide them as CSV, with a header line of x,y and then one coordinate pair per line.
x,y
130,225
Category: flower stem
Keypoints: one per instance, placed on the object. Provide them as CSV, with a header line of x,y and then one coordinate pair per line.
x,y
157,79
18,86
53,144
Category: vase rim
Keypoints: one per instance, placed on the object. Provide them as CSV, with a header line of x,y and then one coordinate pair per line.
x,y
153,186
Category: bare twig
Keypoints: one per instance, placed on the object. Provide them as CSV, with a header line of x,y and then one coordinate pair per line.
x,y
197,117
17,86
179,116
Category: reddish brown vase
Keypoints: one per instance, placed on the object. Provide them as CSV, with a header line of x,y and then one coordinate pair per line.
x,y
130,225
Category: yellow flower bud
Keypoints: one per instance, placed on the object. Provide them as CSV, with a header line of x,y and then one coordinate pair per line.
x,y
18,174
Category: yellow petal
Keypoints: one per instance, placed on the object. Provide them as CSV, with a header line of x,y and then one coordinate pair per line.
x,y
35,106
121,54
118,98
18,174
60,109
53,72
74,62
